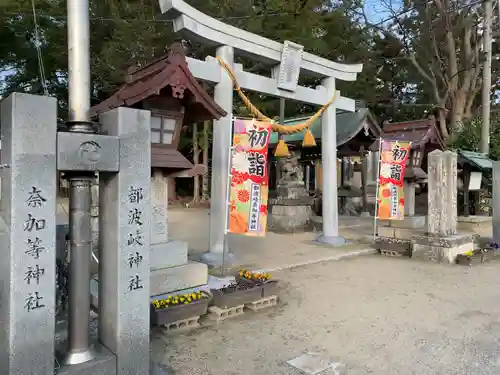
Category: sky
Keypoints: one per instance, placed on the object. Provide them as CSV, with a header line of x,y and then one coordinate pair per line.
x,y
376,10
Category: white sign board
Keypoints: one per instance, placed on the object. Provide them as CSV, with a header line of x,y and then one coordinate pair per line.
x,y
291,60
475,180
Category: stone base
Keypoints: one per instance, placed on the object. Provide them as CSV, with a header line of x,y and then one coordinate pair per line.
x,y
172,279
442,249
104,363
168,254
399,233
409,222
157,369
331,240
290,219
215,259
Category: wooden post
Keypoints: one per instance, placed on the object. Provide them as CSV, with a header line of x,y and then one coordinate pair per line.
x,y
466,182
364,178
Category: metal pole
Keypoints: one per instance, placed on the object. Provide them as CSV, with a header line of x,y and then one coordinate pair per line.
x,y
80,248
375,215
485,130
79,270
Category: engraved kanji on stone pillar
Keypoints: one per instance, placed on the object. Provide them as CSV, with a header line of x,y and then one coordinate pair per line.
x,y
442,193
450,189
28,234
125,217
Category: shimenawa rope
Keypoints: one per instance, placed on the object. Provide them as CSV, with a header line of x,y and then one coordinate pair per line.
x,y
283,129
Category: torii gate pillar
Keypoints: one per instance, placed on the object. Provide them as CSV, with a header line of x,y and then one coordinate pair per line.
x,y
330,207
222,134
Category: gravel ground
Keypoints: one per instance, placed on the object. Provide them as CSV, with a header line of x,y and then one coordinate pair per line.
x,y
377,315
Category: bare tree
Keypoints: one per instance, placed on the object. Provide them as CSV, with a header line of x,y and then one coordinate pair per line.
x,y
442,40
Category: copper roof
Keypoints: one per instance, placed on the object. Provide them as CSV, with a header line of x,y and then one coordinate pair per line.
x,y
171,71
418,132
169,158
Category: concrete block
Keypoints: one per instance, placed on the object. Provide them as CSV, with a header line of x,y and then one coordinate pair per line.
x,y
218,314
182,325
386,232
172,279
404,233
262,303
391,253
411,222
169,254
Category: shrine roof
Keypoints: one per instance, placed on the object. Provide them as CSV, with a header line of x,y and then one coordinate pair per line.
x,y
170,70
349,124
170,158
418,132
476,159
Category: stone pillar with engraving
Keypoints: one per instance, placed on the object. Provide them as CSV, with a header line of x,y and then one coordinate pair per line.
x,y
442,243
124,274
28,234
170,268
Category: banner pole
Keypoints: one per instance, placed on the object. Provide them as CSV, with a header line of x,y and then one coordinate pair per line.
x,y
376,190
225,247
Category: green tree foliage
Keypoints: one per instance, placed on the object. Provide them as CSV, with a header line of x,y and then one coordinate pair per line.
x,y
128,32
123,33
469,138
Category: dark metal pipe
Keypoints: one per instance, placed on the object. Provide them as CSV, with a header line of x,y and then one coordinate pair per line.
x,y
80,247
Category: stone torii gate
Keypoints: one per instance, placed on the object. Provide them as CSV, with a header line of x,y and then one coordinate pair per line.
x,y
287,61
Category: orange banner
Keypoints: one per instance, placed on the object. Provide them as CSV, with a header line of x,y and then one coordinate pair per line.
x,y
393,157
249,178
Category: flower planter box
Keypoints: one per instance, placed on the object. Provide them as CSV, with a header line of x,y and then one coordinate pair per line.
x,y
269,288
244,281
236,298
476,258
175,313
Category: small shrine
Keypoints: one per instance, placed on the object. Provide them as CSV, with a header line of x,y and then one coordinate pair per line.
x,y
474,201
167,89
356,132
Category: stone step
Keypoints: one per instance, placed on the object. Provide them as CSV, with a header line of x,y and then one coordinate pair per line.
x,y
164,281
173,279
169,254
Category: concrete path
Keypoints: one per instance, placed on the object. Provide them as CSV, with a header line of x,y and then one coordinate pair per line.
x,y
274,251
376,315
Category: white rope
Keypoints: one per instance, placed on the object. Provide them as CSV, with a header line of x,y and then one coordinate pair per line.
x,y
39,51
